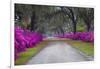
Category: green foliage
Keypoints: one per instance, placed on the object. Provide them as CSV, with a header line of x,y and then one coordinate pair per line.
x,y
80,29
81,26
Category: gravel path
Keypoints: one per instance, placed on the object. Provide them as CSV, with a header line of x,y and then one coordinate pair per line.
x,y
57,52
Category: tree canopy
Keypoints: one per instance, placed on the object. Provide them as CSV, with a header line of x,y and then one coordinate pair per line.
x,y
54,19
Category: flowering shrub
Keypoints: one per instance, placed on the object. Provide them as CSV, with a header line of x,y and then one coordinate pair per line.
x,y
25,39
84,36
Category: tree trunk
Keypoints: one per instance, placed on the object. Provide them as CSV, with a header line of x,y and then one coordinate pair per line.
x,y
33,21
88,27
61,30
74,26
87,21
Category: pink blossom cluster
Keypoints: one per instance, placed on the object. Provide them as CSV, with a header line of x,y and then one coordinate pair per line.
x,y
84,36
25,39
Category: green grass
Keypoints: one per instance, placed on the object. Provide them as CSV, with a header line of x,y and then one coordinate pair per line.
x,y
85,47
24,57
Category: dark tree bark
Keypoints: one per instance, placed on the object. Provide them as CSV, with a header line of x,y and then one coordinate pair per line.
x,y
33,21
74,26
73,20
88,25
61,30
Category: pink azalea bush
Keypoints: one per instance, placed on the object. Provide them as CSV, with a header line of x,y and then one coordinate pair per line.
x,y
84,36
25,39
